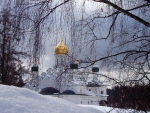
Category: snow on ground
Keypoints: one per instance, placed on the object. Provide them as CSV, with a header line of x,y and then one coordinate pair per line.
x,y
104,109
108,109
21,100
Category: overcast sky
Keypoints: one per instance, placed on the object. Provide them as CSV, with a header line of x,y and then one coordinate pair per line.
x,y
100,46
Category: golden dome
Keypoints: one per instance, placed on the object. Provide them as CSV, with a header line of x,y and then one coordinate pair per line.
x,y
61,48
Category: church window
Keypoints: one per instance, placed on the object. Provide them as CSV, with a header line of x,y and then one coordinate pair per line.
x,y
61,61
89,89
64,61
102,92
57,61
81,91
81,102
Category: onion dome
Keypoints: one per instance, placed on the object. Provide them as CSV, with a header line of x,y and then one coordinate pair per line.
x,y
73,66
68,92
61,48
95,68
34,68
48,91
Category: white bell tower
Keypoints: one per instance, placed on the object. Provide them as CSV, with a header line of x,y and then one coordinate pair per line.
x,y
61,58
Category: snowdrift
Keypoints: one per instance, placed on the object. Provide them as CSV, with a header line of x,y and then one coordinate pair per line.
x,y
21,100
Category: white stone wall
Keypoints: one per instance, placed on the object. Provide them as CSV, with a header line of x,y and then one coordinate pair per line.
x,y
98,90
79,89
81,99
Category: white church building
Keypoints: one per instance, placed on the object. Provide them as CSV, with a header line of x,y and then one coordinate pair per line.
x,y
67,81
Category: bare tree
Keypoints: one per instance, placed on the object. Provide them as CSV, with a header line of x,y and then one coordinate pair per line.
x,y
125,23
11,35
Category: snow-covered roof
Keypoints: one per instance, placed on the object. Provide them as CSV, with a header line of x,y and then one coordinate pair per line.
x,y
90,93
76,82
93,85
103,95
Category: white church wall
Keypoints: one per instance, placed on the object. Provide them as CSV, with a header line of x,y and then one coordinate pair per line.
x,y
103,91
81,99
79,89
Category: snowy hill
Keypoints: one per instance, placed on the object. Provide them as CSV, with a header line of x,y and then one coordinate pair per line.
x,y
21,100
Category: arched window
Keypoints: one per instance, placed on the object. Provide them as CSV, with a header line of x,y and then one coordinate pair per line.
x,y
57,61
64,61
61,61
80,91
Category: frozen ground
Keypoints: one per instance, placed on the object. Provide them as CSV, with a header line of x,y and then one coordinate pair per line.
x,y
21,100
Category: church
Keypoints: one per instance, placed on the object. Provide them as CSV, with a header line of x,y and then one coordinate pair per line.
x,y
66,80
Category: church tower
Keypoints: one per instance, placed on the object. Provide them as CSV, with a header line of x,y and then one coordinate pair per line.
x,y
61,58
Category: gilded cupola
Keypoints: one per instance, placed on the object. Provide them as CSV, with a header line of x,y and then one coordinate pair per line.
x,y
61,48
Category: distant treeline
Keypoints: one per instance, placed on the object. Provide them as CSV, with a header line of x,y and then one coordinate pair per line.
x,y
135,97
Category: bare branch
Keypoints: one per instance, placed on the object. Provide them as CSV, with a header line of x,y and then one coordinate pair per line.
x,y
125,12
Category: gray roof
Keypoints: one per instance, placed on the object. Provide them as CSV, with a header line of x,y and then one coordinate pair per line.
x,y
93,85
